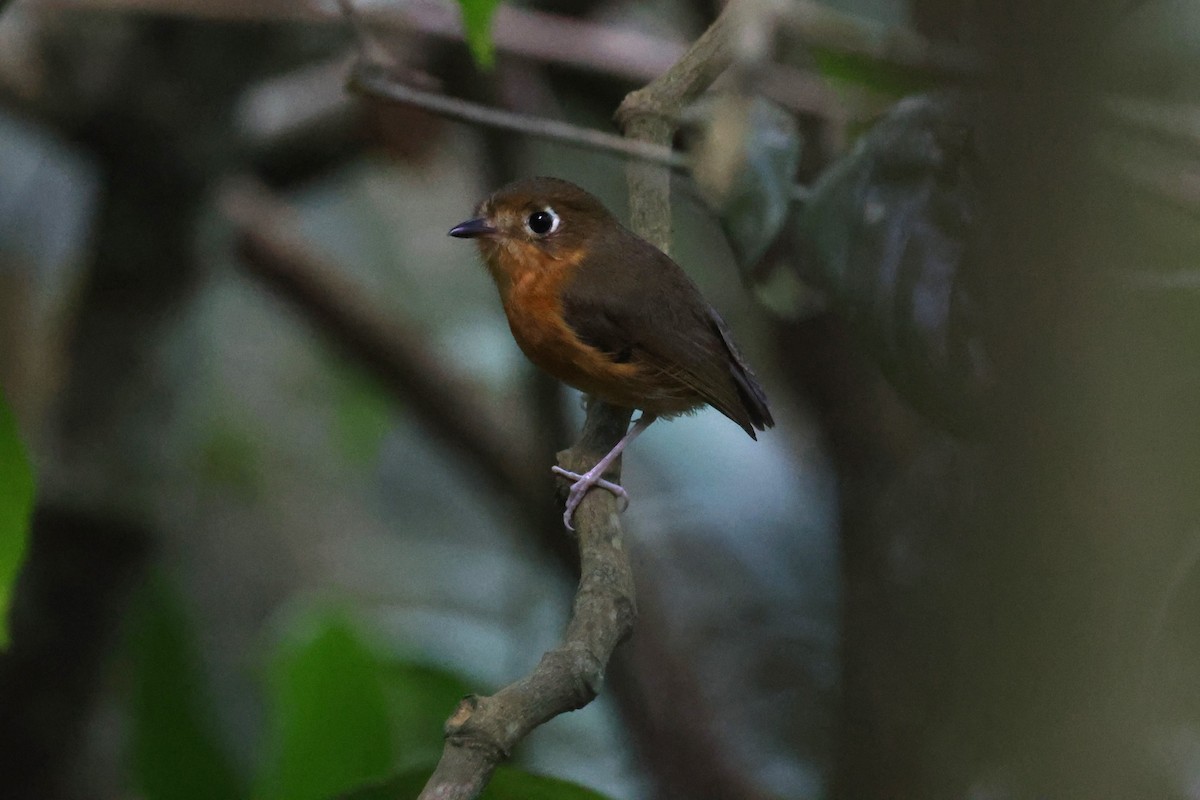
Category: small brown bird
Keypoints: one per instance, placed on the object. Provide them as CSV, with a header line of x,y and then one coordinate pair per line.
x,y
605,311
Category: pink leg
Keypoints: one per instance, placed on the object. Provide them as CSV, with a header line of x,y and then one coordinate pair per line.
x,y
592,477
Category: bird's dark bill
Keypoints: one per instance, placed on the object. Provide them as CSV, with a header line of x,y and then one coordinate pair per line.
x,y
472,228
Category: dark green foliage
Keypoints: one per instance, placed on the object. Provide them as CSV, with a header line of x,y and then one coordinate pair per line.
x,y
868,73
477,23
508,783
329,722
229,458
344,720
16,505
364,414
174,746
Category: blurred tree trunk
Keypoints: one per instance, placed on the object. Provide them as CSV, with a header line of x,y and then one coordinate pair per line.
x,y
1002,596
71,598
150,100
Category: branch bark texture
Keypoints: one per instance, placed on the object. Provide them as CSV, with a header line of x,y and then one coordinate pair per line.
x,y
484,730
651,115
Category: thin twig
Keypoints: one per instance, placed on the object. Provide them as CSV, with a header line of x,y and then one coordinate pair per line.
x,y
627,54
621,53
687,79
484,730
372,80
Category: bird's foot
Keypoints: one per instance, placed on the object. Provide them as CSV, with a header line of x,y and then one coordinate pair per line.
x,y
581,486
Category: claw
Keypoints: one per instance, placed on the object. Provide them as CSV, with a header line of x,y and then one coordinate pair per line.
x,y
582,483
593,476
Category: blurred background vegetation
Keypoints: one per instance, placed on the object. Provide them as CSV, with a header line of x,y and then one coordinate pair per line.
x,y
248,551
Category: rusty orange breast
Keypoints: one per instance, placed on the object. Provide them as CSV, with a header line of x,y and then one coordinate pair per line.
x,y
531,291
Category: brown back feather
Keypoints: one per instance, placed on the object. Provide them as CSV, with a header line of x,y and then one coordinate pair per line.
x,y
633,302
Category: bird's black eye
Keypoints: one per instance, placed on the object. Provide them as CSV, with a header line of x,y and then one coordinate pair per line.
x,y
542,222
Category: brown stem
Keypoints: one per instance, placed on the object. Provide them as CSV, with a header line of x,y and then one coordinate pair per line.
x,y
695,71
484,730
72,595
651,115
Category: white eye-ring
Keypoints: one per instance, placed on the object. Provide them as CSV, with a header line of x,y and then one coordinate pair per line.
x,y
542,223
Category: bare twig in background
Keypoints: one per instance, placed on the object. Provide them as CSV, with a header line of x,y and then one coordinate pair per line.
x,y
371,80
687,78
595,47
484,730
287,108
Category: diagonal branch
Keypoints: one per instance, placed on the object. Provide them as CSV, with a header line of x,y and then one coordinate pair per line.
x,y
374,81
484,730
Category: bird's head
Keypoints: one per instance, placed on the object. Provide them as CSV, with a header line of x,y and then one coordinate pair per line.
x,y
534,224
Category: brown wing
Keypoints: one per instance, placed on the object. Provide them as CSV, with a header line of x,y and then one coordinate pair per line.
x,y
631,301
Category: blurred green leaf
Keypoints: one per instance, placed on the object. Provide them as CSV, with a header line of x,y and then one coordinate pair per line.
x,y
508,783
745,157
351,724
364,415
16,506
228,458
330,725
878,76
407,783
477,23
420,699
175,750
